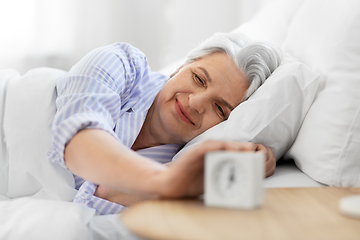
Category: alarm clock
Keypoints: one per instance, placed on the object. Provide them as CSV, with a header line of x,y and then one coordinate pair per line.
x,y
234,179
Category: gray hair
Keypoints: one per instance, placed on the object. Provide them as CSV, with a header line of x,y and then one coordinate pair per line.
x,y
257,60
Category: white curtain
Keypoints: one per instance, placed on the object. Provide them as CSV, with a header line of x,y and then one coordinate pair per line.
x,y
57,33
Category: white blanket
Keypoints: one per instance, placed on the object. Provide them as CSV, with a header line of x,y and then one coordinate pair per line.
x,y
35,194
31,186
29,109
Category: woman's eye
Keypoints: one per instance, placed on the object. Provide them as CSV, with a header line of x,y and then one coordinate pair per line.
x,y
220,110
199,80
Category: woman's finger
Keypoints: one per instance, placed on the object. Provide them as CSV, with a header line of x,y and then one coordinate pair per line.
x,y
270,160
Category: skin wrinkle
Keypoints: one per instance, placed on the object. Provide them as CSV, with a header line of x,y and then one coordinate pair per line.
x,y
162,124
210,80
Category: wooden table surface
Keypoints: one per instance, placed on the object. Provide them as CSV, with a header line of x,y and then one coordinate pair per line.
x,y
288,213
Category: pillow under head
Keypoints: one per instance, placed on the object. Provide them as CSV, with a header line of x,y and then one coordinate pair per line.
x,y
273,115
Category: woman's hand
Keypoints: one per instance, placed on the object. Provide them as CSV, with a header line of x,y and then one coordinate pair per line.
x,y
185,176
270,160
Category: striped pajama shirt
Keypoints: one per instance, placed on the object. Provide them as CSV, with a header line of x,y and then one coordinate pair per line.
x,y
111,89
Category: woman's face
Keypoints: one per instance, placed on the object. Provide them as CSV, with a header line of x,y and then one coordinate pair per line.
x,y
199,96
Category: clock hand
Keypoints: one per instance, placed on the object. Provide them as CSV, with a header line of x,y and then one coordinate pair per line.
x,y
231,177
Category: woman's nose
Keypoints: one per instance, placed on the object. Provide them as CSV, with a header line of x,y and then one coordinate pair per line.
x,y
198,101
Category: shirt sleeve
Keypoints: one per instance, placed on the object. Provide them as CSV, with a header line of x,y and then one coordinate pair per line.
x,y
92,94
86,196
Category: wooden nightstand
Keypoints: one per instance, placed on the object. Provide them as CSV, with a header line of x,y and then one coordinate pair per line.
x,y
288,213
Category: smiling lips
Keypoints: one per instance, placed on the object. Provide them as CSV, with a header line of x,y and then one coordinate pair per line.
x,y
182,113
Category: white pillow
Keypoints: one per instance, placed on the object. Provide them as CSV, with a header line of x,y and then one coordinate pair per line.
x,y
325,35
273,115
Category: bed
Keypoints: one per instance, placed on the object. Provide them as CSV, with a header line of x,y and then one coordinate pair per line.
x,y
308,113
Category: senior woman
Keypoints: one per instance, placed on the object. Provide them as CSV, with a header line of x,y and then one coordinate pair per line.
x,y
116,120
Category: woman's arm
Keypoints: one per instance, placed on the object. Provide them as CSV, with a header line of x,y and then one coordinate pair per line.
x,y
126,177
129,199
97,156
122,198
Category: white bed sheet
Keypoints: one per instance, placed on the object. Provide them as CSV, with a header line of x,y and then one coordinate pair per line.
x,y
288,175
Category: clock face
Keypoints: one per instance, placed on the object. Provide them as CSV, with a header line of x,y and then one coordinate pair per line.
x,y
228,179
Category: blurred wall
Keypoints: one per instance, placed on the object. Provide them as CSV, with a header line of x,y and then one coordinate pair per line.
x,y
57,33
